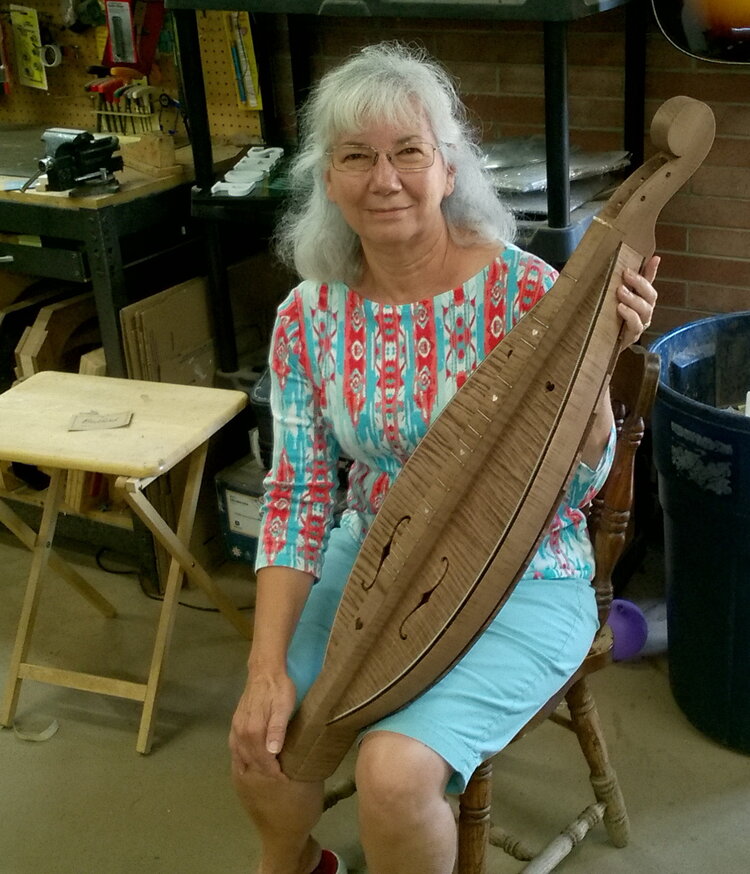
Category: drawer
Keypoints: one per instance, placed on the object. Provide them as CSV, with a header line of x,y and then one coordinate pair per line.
x,y
47,261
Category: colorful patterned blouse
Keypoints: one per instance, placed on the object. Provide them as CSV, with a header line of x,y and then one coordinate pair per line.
x,y
362,379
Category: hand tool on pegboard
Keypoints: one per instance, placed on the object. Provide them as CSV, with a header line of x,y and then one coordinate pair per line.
x,y
133,28
103,87
166,101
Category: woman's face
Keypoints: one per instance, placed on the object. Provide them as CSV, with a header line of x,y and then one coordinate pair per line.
x,y
384,205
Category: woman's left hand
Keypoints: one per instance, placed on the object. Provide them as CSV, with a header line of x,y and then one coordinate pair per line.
x,y
637,299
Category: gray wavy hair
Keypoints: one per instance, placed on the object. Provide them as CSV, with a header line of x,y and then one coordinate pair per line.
x,y
382,82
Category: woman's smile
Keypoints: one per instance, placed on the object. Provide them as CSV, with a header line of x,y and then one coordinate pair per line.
x,y
387,210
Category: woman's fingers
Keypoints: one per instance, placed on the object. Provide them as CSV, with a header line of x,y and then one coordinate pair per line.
x,y
651,268
276,732
259,726
637,299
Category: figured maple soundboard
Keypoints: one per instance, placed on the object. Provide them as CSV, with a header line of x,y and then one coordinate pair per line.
x,y
467,512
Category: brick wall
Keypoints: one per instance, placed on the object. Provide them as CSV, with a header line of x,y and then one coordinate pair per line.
x,y
704,233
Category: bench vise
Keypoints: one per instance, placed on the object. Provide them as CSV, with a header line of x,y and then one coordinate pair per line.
x,y
77,160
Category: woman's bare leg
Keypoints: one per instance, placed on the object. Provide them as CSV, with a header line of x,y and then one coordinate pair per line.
x,y
284,812
406,823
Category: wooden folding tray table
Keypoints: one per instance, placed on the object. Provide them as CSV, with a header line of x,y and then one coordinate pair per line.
x,y
138,431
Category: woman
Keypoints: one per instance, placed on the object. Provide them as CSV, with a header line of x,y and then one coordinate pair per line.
x,y
409,280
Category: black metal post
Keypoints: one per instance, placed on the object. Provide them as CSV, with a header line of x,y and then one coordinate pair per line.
x,y
556,123
194,95
636,18
108,283
221,304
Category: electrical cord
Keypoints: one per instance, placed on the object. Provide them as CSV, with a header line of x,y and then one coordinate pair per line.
x,y
150,595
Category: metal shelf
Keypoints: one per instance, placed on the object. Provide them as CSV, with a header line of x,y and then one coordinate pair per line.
x,y
554,241
499,10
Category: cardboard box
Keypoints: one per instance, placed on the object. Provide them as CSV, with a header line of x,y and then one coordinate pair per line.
x,y
168,336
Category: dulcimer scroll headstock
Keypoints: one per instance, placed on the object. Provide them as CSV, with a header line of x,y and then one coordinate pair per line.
x,y
683,132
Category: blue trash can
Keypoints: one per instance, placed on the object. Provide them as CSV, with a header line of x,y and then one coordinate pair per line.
x,y
701,441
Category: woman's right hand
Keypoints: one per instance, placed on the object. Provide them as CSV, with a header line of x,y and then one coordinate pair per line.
x,y
259,723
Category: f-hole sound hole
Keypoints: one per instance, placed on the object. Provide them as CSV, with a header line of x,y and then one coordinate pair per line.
x,y
425,598
397,532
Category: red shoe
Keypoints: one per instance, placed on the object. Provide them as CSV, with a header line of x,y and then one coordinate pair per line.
x,y
330,863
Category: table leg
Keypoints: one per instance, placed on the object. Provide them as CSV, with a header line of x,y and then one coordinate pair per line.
x,y
182,561
178,549
164,630
168,612
27,537
42,547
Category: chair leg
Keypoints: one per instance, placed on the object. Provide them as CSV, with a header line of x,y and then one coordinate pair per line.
x,y
551,856
474,821
585,720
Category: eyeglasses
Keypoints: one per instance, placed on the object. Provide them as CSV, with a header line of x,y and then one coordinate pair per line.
x,y
411,155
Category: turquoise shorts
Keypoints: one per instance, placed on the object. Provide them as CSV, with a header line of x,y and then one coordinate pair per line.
x,y
526,654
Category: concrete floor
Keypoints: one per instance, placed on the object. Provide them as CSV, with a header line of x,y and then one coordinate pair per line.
x,y
84,802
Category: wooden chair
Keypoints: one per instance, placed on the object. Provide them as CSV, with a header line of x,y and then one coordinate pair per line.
x,y
633,389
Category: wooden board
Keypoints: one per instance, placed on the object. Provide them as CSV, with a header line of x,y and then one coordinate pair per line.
x,y
88,490
132,184
60,330
467,512
153,154
13,285
15,319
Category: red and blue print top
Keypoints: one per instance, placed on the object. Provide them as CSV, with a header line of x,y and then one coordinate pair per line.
x,y
356,378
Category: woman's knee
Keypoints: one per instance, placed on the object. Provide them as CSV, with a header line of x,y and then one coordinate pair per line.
x,y
397,775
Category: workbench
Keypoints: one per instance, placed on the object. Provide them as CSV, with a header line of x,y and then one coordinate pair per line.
x,y
83,240
124,246
127,244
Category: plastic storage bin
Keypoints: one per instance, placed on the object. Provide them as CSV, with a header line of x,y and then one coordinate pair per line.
x,y
701,441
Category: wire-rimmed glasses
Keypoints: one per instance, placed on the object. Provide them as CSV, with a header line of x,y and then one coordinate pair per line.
x,y
358,158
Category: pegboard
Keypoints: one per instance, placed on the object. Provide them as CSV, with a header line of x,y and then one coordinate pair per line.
x,y
227,116
66,103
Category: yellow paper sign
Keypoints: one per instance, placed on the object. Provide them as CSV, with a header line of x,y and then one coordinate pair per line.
x,y
25,26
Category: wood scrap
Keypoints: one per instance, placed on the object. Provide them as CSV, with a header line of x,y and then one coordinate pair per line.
x,y
13,285
58,336
15,318
87,490
153,154
94,362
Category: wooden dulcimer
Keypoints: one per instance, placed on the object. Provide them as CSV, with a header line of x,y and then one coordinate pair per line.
x,y
467,512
